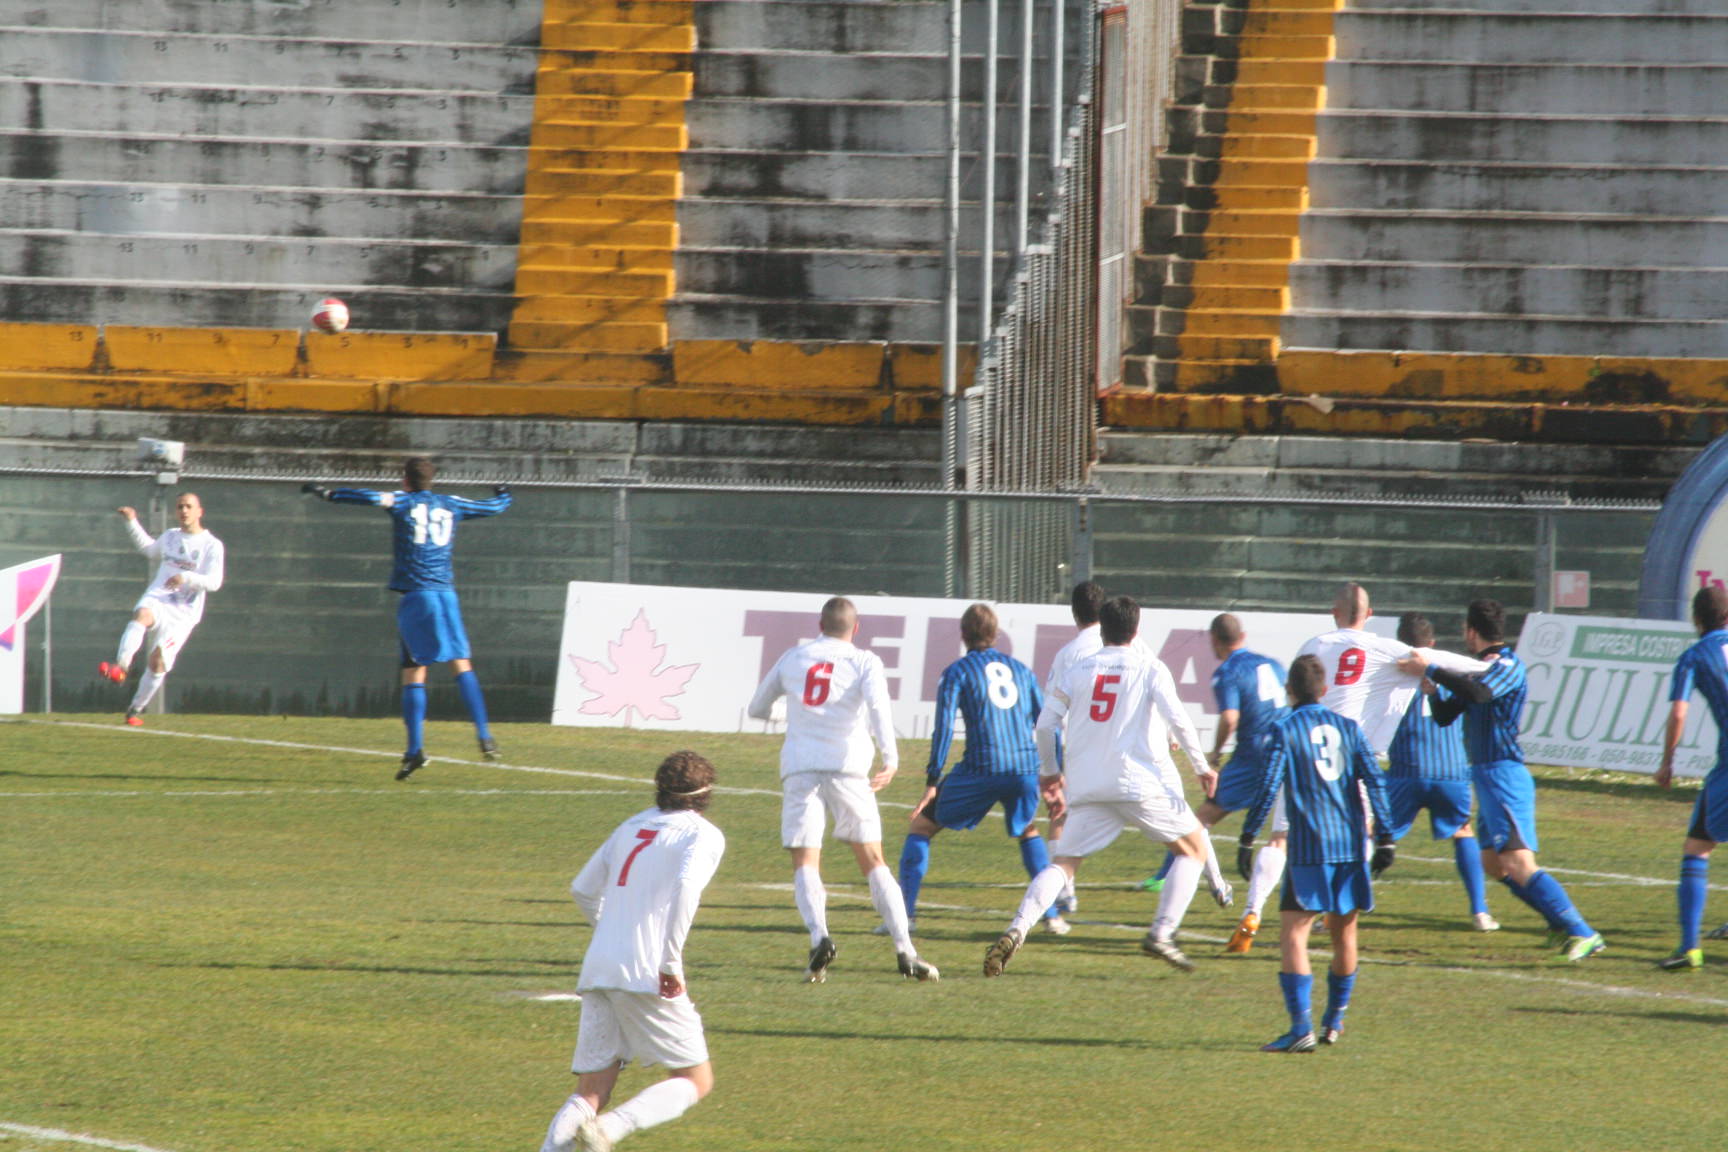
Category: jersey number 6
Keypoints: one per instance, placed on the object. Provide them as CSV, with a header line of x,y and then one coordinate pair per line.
x,y
817,681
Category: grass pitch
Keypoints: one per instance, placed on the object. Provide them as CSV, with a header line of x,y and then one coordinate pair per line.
x,y
239,935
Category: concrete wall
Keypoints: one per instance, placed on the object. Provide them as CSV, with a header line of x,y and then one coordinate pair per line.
x,y
227,163
1516,177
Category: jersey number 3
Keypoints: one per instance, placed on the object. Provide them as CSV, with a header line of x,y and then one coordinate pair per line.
x,y
646,835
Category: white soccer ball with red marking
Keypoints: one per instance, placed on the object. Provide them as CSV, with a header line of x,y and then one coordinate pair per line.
x,y
331,315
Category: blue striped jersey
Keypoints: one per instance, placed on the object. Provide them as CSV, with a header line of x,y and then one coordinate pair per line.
x,y
1491,726
1251,685
1423,750
1704,667
1323,762
423,533
999,700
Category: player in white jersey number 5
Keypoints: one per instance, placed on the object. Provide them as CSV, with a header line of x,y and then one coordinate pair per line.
x,y
189,563
1117,710
837,707
640,891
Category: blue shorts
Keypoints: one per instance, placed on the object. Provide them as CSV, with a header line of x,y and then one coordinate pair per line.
x,y
1710,814
1447,801
963,800
1239,783
1507,794
430,622
1337,888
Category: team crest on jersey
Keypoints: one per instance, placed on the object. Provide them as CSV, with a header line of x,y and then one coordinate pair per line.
x,y
638,679
24,589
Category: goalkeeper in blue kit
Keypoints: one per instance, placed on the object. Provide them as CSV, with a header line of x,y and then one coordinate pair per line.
x,y
429,618
1323,763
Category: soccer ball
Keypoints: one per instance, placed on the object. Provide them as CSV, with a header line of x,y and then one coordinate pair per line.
x,y
331,315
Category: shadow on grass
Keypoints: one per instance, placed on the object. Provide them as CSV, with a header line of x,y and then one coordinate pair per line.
x,y
152,778
1623,789
537,973
1716,1018
939,1038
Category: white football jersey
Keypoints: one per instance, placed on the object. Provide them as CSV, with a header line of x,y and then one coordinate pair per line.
x,y
198,558
1364,682
641,890
1086,642
837,708
1117,710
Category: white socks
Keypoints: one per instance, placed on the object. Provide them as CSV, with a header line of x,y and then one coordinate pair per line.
x,y
891,906
812,900
1214,874
1040,894
561,1136
1268,868
130,641
1176,895
667,1100
147,685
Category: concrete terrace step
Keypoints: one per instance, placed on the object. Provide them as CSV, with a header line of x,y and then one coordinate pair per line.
x,y
1517,238
722,70
710,221
271,161
257,259
733,316
618,81
1530,89
1515,187
496,21
334,114
243,304
158,58
1531,37
833,126
1575,7
638,37
830,175
1665,293
1451,137
1510,335
215,209
843,26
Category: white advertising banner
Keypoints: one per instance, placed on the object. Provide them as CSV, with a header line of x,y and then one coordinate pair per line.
x,y
689,659
1599,694
24,589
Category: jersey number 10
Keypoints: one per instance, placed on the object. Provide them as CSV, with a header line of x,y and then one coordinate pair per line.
x,y
436,523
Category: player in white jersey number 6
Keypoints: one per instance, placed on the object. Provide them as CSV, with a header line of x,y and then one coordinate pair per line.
x,y
640,891
837,706
189,563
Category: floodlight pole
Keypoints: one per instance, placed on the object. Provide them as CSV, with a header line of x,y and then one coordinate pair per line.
x,y
951,310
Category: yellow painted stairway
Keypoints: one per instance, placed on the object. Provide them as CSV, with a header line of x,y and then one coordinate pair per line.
x,y
1235,265
599,220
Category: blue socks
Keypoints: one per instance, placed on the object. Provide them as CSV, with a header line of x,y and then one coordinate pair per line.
x,y
468,686
1338,989
414,716
1523,894
1298,1001
1694,886
1164,868
1548,897
914,862
1468,856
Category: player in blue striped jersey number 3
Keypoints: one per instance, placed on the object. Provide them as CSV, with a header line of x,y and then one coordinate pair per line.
x,y
1323,763
1703,668
999,700
429,618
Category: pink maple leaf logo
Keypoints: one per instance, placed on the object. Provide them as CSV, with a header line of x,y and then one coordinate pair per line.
x,y
636,681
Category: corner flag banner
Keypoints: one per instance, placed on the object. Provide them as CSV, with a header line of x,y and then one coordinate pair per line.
x,y
690,658
24,588
1599,694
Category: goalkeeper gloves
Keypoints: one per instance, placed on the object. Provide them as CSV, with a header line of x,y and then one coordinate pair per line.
x,y
317,490
1384,853
500,489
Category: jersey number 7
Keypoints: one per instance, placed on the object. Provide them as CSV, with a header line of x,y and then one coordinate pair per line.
x,y
646,835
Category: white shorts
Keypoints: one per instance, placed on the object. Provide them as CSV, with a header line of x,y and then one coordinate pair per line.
x,y
172,629
1093,826
637,1027
810,797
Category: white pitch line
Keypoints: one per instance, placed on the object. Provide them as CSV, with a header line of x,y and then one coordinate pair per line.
x,y
60,1136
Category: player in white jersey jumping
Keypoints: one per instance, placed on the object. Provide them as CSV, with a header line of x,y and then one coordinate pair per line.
x,y
1117,711
837,707
640,891
190,562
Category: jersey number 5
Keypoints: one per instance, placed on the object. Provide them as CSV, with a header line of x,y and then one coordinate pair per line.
x,y
817,681
646,835
1104,695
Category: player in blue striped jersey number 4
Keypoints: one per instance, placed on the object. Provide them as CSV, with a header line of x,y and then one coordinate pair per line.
x,y
999,700
1323,763
1703,668
429,617
1492,705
